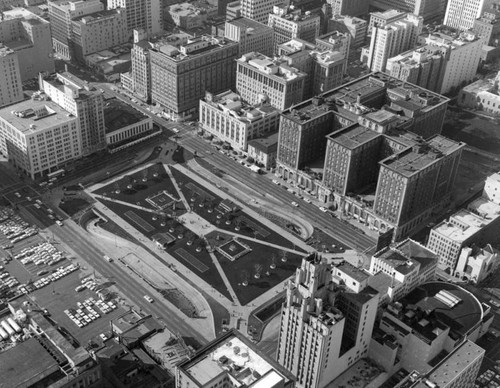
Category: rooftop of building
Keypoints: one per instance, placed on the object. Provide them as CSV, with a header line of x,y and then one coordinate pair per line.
x,y
442,304
188,9
168,348
465,223
382,282
38,115
355,98
236,356
265,144
118,114
419,157
180,50
126,321
68,80
25,14
26,364
389,14
96,16
291,13
231,103
4,50
248,24
277,67
354,272
353,136
454,40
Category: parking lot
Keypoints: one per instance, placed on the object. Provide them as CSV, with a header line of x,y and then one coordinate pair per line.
x,y
61,298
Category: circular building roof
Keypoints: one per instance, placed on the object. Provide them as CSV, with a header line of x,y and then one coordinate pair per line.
x,y
448,303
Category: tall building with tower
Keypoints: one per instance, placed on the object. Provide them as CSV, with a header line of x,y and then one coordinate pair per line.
x,y
326,321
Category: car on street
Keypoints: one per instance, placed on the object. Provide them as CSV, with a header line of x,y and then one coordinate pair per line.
x,y
295,204
306,200
323,209
276,182
494,303
59,223
175,130
148,298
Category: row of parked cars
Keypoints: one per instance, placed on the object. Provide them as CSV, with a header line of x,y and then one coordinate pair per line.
x,y
57,274
86,313
16,229
41,254
8,283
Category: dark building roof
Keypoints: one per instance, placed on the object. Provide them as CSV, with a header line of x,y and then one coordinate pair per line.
x,y
267,144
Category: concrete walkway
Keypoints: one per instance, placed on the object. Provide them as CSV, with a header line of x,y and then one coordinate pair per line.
x,y
179,191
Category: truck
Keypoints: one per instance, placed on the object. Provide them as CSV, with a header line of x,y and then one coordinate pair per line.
x,y
255,169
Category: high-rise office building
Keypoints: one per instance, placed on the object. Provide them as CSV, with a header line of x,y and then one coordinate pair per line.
x,y
98,31
289,23
326,321
441,62
487,27
83,101
251,35
381,19
260,78
392,39
181,72
349,7
29,36
141,14
11,86
258,10
461,14
61,13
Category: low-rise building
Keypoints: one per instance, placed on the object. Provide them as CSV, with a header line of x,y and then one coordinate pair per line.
x,y
406,265
477,224
232,120
481,95
231,357
167,349
264,150
125,125
475,263
491,189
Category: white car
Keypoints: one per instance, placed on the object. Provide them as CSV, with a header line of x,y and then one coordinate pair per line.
x,y
175,130
148,298
295,204
276,182
59,223
323,209
306,200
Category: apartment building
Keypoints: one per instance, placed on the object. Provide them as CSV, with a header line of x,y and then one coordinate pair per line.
x,y
11,87
392,39
258,10
260,78
29,36
231,359
400,268
461,14
290,23
84,102
39,137
326,321
181,72
233,121
440,63
141,14
487,27
356,27
61,13
251,35
477,224
98,31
